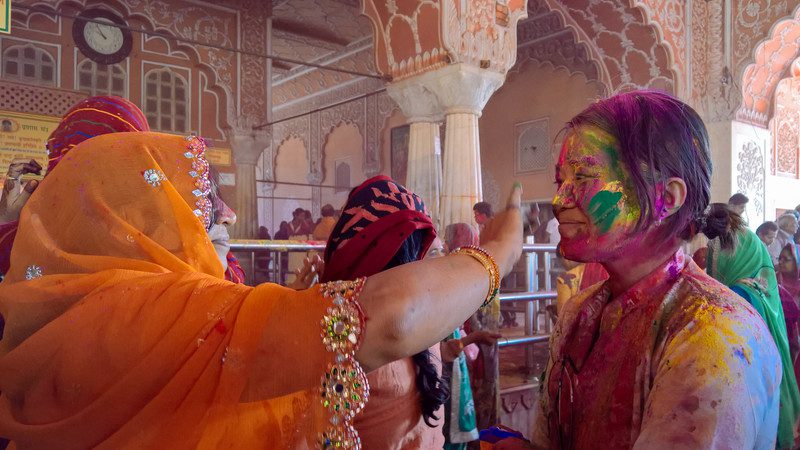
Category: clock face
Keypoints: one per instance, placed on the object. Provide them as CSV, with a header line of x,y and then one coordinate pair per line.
x,y
102,36
104,39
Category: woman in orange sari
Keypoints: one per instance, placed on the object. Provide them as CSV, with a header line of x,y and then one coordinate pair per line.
x,y
122,333
90,117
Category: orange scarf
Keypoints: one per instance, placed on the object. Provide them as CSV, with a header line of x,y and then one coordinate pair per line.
x,y
121,332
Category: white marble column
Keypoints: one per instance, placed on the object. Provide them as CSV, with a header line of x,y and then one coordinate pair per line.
x,y
424,175
459,91
247,145
462,169
462,91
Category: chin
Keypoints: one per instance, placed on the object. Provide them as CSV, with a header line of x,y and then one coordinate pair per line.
x,y
577,250
222,255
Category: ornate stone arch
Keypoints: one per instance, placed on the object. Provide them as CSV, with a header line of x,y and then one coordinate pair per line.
x,y
629,47
546,38
668,19
772,58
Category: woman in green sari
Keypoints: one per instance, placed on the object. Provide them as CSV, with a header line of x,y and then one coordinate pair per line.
x,y
738,259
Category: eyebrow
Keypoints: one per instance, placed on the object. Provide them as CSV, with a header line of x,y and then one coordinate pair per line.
x,y
586,160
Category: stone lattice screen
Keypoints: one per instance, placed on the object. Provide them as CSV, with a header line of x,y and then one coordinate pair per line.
x,y
37,100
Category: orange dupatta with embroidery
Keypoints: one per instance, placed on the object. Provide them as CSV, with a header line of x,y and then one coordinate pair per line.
x,y
121,332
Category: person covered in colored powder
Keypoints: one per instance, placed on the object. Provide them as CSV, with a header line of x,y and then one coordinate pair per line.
x,y
788,273
661,355
738,259
122,332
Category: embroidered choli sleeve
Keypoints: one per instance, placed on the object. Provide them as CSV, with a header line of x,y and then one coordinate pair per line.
x,y
308,346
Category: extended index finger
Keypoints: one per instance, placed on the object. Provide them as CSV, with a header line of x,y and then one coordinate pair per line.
x,y
515,198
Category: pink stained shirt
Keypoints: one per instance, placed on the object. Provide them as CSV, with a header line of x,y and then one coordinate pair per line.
x,y
677,361
392,419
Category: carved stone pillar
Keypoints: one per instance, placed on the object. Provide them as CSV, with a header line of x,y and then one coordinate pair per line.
x,y
459,91
247,145
464,91
455,68
424,175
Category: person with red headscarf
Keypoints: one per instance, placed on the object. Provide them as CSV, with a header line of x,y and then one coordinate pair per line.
x,y
384,225
93,116
122,333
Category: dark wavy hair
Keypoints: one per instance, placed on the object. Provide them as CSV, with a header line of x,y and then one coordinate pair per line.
x,y
433,390
723,223
659,137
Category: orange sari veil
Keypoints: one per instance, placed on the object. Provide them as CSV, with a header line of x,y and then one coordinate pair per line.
x,y
122,333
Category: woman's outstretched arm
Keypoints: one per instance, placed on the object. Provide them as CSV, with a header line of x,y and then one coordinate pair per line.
x,y
413,306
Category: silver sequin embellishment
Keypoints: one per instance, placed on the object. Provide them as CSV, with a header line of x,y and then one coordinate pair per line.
x,y
33,271
154,177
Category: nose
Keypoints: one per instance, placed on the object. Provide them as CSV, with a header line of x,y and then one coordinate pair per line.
x,y
564,198
225,215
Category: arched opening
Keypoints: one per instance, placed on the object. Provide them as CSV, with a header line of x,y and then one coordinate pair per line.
x,y
166,101
29,64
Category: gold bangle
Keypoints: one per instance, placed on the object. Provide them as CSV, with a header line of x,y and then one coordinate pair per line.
x,y
488,262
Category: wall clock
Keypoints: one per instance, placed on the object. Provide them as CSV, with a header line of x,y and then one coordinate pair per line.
x,y
103,43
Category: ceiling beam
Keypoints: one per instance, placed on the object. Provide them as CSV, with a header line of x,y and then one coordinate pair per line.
x,y
304,31
280,65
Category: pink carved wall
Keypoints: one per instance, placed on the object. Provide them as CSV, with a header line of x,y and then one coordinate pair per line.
x,y
310,82
772,59
630,49
543,38
669,19
413,36
218,77
785,127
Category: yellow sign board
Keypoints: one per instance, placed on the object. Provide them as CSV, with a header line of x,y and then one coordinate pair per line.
x,y
218,156
24,136
5,16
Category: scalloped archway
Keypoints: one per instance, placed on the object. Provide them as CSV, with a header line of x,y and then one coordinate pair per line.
x,y
772,58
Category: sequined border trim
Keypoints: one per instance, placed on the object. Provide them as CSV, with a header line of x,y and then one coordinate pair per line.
x,y
344,389
196,150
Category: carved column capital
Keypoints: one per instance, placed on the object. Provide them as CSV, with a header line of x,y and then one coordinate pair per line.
x,y
462,88
248,144
416,100
457,88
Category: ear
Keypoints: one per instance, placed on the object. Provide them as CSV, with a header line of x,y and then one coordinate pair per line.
x,y
674,196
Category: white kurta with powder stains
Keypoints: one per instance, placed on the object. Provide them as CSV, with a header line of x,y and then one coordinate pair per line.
x,y
677,361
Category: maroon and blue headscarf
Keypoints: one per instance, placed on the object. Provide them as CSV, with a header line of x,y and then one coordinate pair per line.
x,y
378,217
92,117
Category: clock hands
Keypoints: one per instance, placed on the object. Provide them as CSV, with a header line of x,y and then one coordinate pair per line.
x,y
100,30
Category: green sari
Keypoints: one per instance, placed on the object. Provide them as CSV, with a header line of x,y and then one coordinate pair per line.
x,y
748,271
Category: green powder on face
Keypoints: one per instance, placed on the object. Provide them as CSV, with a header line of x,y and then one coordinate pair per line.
x,y
604,209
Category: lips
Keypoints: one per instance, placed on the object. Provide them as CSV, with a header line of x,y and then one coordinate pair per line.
x,y
219,235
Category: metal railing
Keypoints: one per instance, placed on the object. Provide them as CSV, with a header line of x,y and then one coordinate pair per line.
x,y
536,295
